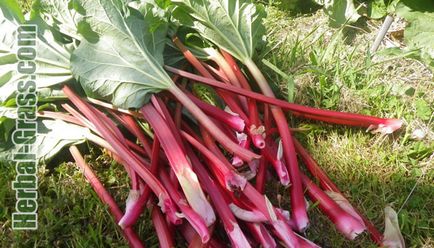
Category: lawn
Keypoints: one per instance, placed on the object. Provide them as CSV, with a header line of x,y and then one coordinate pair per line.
x,y
331,69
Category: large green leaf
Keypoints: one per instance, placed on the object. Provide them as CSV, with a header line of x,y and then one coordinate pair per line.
x,y
52,57
339,11
121,59
377,9
235,26
7,123
52,136
59,14
419,32
11,11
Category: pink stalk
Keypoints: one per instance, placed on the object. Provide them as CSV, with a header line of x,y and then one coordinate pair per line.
x,y
262,173
244,141
112,107
165,237
189,235
205,121
298,206
109,125
131,217
276,219
247,215
345,223
305,243
261,235
274,154
164,200
260,201
328,185
218,73
239,74
134,128
215,56
160,106
255,129
232,181
137,149
192,216
178,115
253,108
296,192
382,125
105,197
315,169
78,119
230,224
233,121
179,164
249,191
257,134
85,122
60,116
244,154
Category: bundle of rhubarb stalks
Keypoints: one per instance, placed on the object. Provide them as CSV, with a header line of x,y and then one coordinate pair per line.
x,y
198,167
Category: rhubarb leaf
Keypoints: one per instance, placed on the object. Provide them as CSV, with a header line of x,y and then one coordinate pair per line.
x,y
11,11
121,59
235,26
50,139
7,123
59,14
340,11
52,57
419,32
377,9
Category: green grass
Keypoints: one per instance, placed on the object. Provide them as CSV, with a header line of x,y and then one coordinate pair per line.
x,y
331,69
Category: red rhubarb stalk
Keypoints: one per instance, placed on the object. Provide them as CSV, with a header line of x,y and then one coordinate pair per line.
x,y
165,237
215,56
230,224
274,155
328,185
261,235
189,234
244,154
261,175
136,210
382,125
192,216
179,164
232,181
105,196
298,206
232,120
225,141
253,108
164,200
345,223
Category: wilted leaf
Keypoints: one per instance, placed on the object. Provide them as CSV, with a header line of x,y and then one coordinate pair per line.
x,y
392,235
344,204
